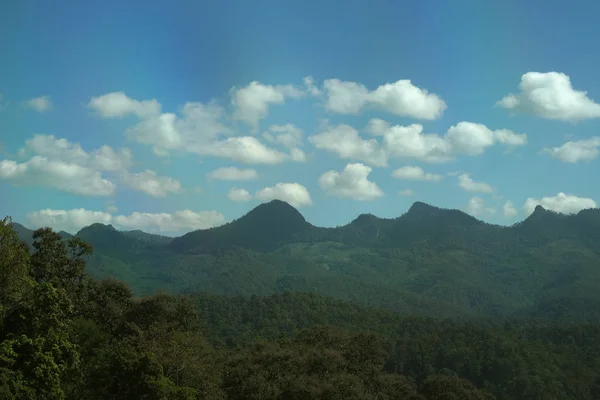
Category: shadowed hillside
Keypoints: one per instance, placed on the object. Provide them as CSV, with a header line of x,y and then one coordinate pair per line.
x,y
428,261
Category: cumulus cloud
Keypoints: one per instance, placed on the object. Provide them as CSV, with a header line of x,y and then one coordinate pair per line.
x,y
550,95
473,139
287,135
562,203
509,210
298,155
400,98
75,219
415,174
411,142
67,220
352,183
467,183
57,174
103,159
576,151
309,85
60,164
377,126
345,141
179,221
292,193
233,174
476,207
110,207
201,129
40,104
251,103
119,105
244,149
197,127
239,195
150,183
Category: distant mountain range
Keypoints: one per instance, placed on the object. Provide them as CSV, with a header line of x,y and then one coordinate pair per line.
x,y
427,261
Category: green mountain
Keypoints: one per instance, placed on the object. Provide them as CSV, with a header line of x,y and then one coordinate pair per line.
x,y
429,261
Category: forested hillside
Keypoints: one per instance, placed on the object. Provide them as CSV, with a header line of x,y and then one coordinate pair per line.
x,y
64,335
428,261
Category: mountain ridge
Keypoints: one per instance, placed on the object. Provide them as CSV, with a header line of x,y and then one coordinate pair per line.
x,y
429,260
417,211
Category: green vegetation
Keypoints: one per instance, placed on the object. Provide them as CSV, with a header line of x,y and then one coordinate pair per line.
x,y
429,261
64,335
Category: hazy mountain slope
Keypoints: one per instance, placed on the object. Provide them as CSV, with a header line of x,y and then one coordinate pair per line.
x,y
427,261
264,228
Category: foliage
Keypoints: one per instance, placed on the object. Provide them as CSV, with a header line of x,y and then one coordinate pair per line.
x,y
64,335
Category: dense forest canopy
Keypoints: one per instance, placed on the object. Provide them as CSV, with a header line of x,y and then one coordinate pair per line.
x,y
428,261
435,311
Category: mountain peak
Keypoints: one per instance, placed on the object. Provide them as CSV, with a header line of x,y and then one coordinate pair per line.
x,y
263,228
539,208
419,207
96,227
364,219
278,211
420,212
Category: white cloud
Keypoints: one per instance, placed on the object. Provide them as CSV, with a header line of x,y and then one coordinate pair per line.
x,y
415,174
75,219
310,87
562,203
199,125
64,176
67,220
103,159
467,183
200,130
473,139
298,155
244,149
352,183
111,207
153,185
476,206
405,192
119,105
410,142
179,221
233,174
509,210
40,104
400,98
287,135
239,195
576,151
345,141
550,95
377,126
251,103
292,193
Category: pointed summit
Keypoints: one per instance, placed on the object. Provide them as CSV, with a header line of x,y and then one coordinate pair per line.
x,y
423,209
425,213
264,228
365,219
276,211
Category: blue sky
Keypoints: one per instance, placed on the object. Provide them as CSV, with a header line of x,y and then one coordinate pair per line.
x,y
118,112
